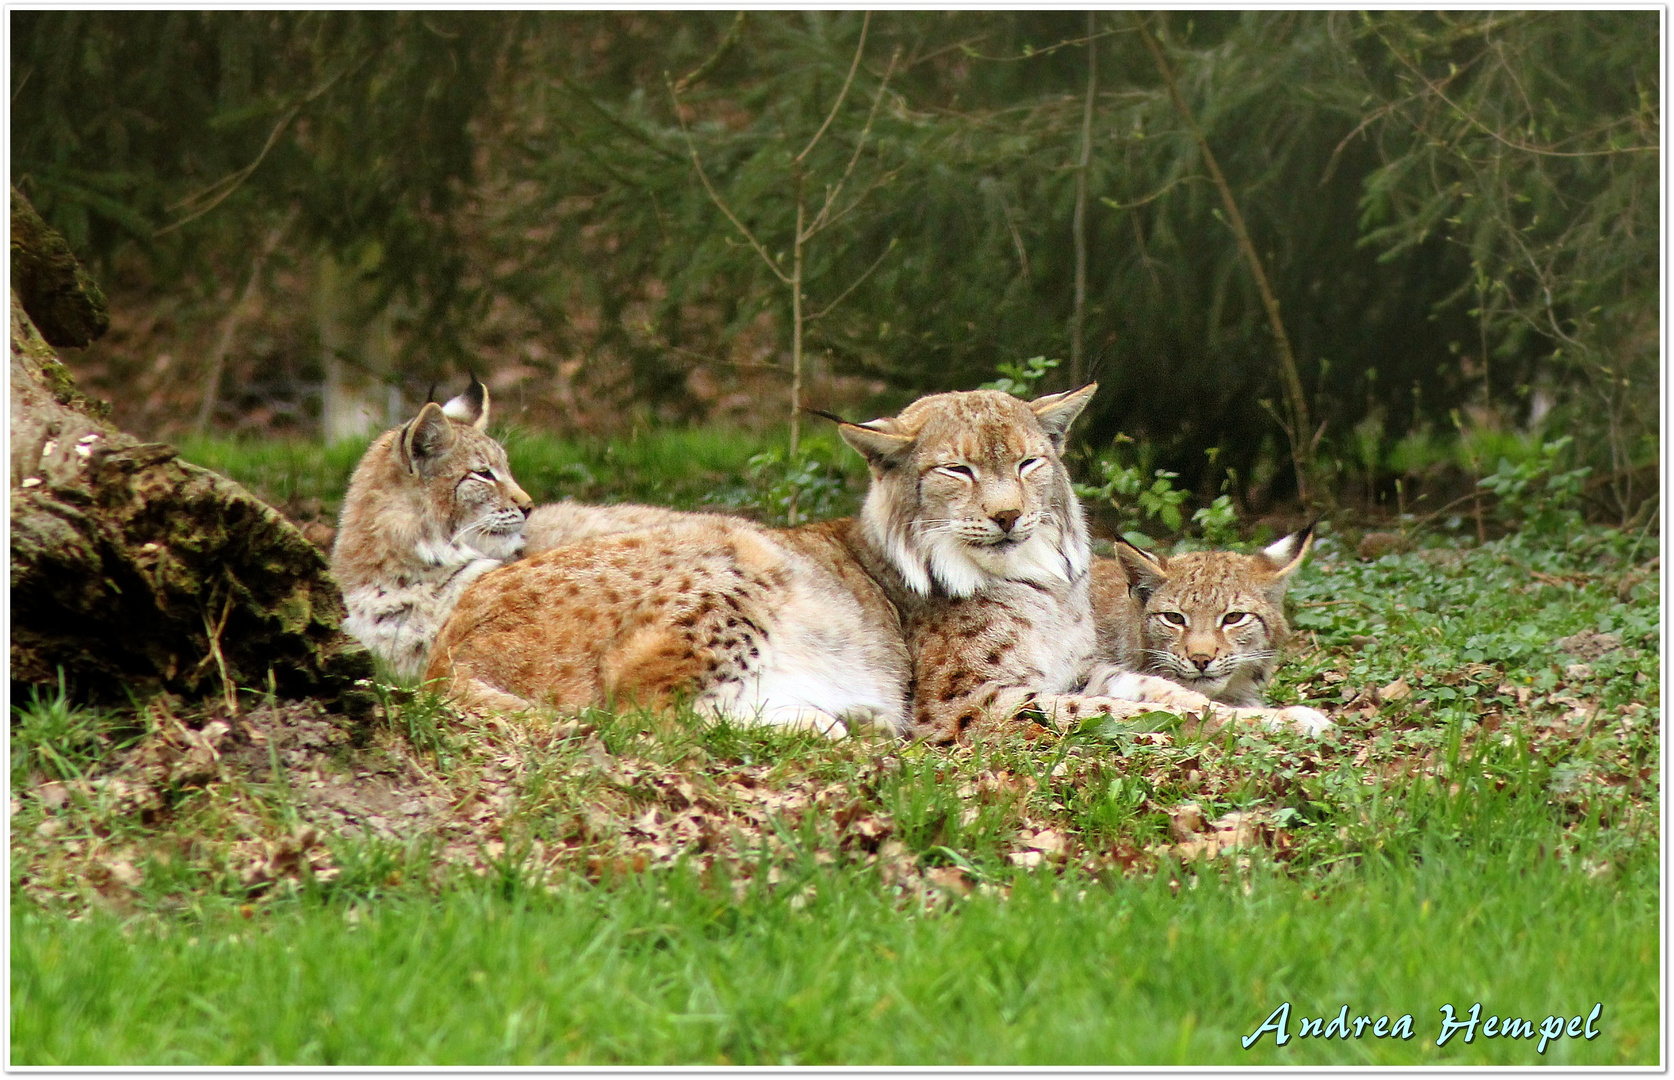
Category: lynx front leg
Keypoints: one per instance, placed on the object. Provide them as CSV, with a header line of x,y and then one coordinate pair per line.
x,y
1110,681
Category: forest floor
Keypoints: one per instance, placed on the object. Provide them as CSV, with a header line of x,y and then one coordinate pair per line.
x,y
270,884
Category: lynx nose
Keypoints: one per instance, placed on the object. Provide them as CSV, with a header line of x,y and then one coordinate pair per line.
x,y
1005,519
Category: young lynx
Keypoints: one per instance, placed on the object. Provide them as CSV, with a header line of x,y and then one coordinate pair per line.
x,y
1212,622
430,508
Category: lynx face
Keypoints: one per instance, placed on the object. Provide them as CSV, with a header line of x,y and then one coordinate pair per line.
x,y
1213,621
968,490
471,484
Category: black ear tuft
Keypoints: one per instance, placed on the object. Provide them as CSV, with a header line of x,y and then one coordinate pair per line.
x,y
471,407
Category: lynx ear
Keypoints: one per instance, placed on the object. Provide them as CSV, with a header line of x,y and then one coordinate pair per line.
x,y
471,407
1287,554
428,434
1056,412
880,442
1147,571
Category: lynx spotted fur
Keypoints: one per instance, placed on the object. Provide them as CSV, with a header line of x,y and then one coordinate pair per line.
x,y
430,508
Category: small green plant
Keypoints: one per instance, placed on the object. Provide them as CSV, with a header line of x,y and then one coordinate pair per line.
x,y
54,737
1218,521
421,714
1537,492
1020,379
793,490
1136,496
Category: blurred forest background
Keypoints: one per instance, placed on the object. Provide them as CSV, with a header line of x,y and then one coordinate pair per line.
x,y
1373,260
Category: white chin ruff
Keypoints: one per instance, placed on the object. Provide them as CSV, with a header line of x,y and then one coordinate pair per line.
x,y
1208,686
965,569
505,546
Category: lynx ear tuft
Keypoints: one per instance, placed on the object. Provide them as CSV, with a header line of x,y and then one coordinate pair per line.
x,y
880,442
1287,554
1056,412
471,407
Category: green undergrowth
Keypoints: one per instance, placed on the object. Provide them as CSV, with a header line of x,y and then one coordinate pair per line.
x,y
684,468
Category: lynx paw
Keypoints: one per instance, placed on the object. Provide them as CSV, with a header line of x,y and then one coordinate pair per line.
x,y
805,719
1302,720
1132,686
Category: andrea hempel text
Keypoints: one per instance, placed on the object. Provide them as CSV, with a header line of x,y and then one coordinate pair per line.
x,y
1467,1027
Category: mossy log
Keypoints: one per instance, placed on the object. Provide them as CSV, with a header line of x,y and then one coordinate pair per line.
x,y
134,571
61,298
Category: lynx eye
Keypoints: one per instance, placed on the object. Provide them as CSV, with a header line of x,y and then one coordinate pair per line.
x,y
1236,618
483,474
1172,618
953,469
1029,465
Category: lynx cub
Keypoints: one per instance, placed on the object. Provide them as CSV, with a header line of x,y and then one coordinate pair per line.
x,y
1212,622
431,507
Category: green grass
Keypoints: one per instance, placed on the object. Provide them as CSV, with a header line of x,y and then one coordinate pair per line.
x,y
830,967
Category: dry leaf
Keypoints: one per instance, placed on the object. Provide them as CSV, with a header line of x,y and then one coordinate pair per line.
x,y
1185,820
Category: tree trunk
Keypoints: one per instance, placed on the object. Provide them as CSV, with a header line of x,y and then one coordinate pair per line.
x,y
134,571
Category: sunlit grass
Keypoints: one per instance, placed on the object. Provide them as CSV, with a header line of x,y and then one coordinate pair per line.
x,y
829,967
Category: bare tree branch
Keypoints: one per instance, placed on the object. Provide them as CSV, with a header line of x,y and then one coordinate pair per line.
x,y
701,72
715,196
1078,365
1298,423
865,23
235,318
823,218
844,295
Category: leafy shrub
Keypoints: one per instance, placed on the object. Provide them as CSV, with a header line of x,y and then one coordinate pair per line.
x,y
1537,494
